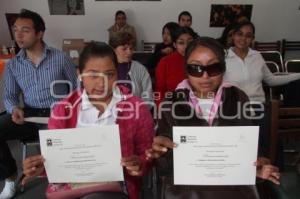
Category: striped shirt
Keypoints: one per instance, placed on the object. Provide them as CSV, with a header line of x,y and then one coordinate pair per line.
x,y
41,85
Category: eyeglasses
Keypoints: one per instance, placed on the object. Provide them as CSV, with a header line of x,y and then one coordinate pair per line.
x,y
196,70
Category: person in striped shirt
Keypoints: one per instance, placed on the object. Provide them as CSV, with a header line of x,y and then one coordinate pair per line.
x,y
41,75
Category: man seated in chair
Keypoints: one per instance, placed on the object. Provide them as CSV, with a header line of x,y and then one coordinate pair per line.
x,y
32,73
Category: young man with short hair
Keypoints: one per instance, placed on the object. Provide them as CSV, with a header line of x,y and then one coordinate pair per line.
x,y
41,74
185,19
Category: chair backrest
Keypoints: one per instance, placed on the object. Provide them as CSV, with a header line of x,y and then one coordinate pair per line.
x,y
268,46
292,65
290,46
269,91
142,57
148,46
274,56
273,66
285,122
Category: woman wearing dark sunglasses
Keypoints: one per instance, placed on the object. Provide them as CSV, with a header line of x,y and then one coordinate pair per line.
x,y
203,99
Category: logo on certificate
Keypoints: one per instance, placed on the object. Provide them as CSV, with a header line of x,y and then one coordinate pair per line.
x,y
188,139
49,142
183,139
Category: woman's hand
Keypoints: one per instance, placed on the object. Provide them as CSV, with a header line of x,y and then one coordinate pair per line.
x,y
132,164
160,146
32,166
267,171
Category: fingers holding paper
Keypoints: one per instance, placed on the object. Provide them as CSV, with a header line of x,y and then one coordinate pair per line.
x,y
160,146
268,172
132,164
32,166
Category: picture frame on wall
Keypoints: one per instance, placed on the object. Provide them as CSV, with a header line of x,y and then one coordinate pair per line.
x,y
66,7
222,15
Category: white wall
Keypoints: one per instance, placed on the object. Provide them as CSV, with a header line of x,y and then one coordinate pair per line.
x,y
274,19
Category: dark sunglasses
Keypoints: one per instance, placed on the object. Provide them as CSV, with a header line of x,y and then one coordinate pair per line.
x,y
212,69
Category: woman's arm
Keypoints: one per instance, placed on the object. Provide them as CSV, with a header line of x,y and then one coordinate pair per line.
x,y
138,164
276,80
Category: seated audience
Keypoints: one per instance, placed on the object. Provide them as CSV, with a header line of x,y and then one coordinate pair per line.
x,y
32,74
212,102
170,69
122,26
133,73
90,106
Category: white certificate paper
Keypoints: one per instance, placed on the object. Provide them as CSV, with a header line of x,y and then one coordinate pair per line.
x,y
215,155
82,155
38,120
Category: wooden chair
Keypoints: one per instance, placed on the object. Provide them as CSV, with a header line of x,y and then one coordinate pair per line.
x,y
285,123
148,46
292,66
274,56
142,57
268,46
271,92
290,46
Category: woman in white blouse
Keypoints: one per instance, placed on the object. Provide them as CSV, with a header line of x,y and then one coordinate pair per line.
x,y
247,70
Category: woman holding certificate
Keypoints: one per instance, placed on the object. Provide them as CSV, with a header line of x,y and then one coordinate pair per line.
x,y
100,102
204,99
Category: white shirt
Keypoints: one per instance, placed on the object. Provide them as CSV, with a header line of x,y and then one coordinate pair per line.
x,y
249,73
205,106
89,115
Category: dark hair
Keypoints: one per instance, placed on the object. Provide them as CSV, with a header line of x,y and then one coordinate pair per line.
x,y
238,26
209,43
38,22
185,13
120,12
120,39
172,27
96,49
224,36
183,30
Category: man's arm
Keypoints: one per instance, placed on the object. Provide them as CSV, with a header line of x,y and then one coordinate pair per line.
x,y
12,90
70,72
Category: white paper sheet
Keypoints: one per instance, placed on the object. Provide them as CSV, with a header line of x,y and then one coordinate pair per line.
x,y
38,120
215,155
81,155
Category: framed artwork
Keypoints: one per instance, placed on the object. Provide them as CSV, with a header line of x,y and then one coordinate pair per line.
x,y
223,14
66,7
11,18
